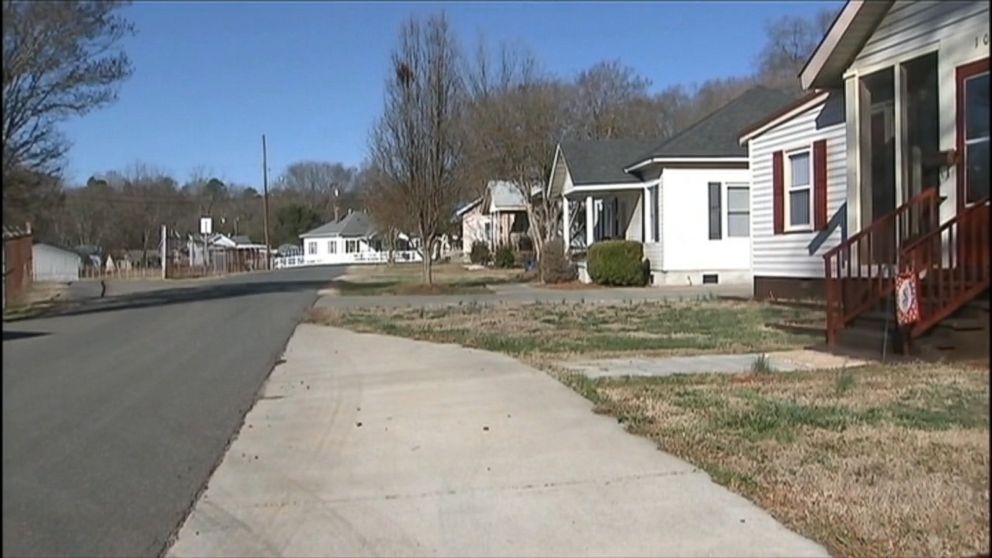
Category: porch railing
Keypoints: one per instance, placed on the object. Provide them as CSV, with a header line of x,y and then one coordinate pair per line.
x,y
952,263
859,272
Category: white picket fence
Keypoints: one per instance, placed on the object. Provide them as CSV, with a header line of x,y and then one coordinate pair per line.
x,y
282,262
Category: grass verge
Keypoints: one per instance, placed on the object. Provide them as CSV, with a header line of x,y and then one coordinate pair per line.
x,y
561,329
406,279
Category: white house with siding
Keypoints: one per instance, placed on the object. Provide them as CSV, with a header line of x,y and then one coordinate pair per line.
x,y
352,239
499,217
797,158
905,171
687,199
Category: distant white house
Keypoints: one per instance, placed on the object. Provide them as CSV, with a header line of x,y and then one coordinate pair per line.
x,y
352,239
52,263
497,218
686,199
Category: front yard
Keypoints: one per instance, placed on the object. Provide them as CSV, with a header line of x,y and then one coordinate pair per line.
x,y
590,330
883,460
406,279
880,460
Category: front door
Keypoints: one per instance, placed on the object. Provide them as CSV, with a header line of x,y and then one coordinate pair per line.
x,y
973,132
973,155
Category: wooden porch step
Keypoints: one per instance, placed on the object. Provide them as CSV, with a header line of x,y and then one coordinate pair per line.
x,y
806,304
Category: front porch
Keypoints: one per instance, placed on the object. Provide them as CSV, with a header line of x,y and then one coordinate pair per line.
x,y
609,213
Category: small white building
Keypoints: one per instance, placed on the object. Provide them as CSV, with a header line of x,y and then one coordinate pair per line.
x,y
52,263
351,239
686,199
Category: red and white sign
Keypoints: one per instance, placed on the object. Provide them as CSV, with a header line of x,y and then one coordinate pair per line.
x,y
907,299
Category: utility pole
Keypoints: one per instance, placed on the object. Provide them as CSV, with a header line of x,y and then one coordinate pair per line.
x,y
265,204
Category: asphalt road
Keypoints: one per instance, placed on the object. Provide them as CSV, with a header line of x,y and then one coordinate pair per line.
x,y
116,412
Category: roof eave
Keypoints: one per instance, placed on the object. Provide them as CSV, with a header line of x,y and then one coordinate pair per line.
x,y
826,66
784,115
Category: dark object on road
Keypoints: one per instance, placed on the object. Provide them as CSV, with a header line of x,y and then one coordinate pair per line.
x,y
103,288
486,428
358,424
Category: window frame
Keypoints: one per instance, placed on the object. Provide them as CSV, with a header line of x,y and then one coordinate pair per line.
x,y
787,188
332,246
746,211
311,247
349,243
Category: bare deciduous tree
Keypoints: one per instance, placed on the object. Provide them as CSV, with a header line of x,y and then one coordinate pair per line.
x,y
60,59
789,43
318,184
383,200
515,119
415,142
607,99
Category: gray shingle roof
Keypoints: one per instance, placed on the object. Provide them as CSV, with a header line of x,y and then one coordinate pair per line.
x,y
602,161
505,195
717,134
356,223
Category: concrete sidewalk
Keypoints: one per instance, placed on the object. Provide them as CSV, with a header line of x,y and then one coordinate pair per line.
x,y
367,445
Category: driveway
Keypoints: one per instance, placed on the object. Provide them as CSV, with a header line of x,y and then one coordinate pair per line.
x,y
367,445
116,411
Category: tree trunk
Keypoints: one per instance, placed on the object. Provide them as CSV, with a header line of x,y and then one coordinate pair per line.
x,y
426,248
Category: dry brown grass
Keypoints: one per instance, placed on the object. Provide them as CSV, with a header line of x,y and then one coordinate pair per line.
x,y
441,273
877,461
590,330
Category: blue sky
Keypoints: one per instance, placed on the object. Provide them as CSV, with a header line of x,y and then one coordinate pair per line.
x,y
211,77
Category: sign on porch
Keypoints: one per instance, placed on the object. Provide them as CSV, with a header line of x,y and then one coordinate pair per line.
x,y
907,299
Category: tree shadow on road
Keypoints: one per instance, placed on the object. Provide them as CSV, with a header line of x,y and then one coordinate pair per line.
x,y
179,295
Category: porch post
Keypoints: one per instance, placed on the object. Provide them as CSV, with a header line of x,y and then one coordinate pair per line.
x,y
646,207
566,223
590,221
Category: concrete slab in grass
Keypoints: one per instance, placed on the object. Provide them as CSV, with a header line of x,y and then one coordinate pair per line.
x,y
783,361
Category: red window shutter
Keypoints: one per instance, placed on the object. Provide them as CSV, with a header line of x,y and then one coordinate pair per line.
x,y
778,192
820,184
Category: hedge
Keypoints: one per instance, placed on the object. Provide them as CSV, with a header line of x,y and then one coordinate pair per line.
x,y
618,263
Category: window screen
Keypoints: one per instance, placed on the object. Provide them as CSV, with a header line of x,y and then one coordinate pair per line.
x,y
738,210
715,211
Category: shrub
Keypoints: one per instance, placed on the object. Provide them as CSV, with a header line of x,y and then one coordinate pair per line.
x,y
504,257
480,253
617,263
555,267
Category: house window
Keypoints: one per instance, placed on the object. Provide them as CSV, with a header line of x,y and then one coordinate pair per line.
x,y
738,210
716,213
799,189
332,247
312,247
351,246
